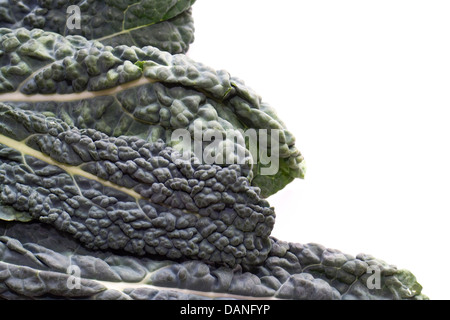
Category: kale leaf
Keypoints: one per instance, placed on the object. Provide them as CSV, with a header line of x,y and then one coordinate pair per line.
x,y
99,200
142,92
38,262
165,24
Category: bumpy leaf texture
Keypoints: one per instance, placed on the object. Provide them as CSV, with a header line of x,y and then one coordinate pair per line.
x,y
92,182
145,93
126,194
38,262
165,24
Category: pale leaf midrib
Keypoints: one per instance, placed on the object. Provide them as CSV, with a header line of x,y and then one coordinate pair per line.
x,y
71,170
18,96
24,149
121,286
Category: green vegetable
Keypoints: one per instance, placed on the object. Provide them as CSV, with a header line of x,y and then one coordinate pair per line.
x,y
36,262
100,200
126,194
145,93
165,24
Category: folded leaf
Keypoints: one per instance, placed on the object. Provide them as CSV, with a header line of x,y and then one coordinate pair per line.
x,y
166,24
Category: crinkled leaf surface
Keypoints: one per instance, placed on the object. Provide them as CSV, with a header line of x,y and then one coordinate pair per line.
x,y
91,180
145,93
126,194
166,24
36,261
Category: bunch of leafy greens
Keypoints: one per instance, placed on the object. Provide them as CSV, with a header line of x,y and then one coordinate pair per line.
x,y
91,179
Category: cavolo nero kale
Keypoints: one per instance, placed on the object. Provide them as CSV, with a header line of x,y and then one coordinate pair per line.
x,y
127,194
142,92
165,24
34,259
91,177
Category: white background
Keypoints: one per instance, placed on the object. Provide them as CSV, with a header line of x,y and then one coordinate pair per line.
x,y
365,88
